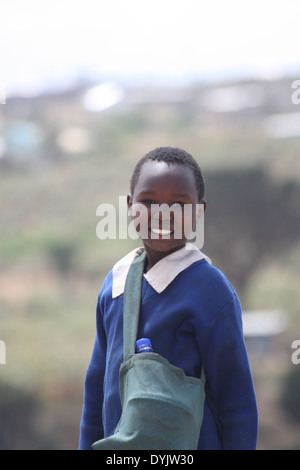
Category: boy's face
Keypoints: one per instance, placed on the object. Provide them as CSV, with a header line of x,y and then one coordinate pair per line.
x,y
168,187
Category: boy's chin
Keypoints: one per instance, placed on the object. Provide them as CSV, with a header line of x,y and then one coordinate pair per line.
x,y
163,245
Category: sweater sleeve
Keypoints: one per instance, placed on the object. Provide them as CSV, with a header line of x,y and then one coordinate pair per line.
x,y
229,381
91,428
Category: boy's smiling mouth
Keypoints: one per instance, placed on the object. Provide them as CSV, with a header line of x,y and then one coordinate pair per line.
x,y
161,232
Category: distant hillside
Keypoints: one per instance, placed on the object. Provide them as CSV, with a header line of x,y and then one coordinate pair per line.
x,y
245,124
59,160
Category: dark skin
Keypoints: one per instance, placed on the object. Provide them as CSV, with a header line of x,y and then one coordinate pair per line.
x,y
171,184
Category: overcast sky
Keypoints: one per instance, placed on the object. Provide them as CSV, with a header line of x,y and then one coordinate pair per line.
x,y
51,42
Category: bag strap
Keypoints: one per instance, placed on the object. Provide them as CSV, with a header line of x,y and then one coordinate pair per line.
x,y
132,303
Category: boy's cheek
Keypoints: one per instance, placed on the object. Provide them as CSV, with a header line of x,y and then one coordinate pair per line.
x,y
139,214
183,229
184,224
187,221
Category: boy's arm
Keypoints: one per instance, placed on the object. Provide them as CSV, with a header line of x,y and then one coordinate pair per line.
x,y
229,380
91,428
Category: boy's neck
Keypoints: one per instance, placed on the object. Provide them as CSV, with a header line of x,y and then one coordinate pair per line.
x,y
154,257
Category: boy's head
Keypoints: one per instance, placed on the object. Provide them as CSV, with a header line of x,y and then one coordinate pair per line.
x,y
167,188
171,155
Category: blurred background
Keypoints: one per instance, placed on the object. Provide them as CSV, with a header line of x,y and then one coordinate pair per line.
x,y
86,89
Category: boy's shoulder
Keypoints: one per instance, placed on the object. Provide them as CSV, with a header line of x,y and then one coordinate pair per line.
x,y
206,272
209,285
114,281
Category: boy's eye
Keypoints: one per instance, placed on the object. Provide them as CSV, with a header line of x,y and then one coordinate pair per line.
x,y
148,202
178,203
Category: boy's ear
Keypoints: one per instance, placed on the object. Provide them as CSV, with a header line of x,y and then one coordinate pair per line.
x,y
129,203
129,200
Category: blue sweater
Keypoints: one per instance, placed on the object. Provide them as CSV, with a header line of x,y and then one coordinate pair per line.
x,y
195,319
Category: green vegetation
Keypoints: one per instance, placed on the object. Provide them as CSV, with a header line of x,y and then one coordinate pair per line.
x,y
53,264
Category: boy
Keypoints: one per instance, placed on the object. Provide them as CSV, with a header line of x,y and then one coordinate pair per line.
x,y
189,311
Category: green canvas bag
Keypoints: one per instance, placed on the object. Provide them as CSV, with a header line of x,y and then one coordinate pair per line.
x,y
162,408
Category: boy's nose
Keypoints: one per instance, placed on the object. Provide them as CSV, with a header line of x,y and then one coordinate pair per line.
x,y
162,212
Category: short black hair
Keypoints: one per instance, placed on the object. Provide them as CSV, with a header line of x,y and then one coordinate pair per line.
x,y
171,155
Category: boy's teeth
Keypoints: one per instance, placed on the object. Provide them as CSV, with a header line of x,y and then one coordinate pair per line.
x,y
158,231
